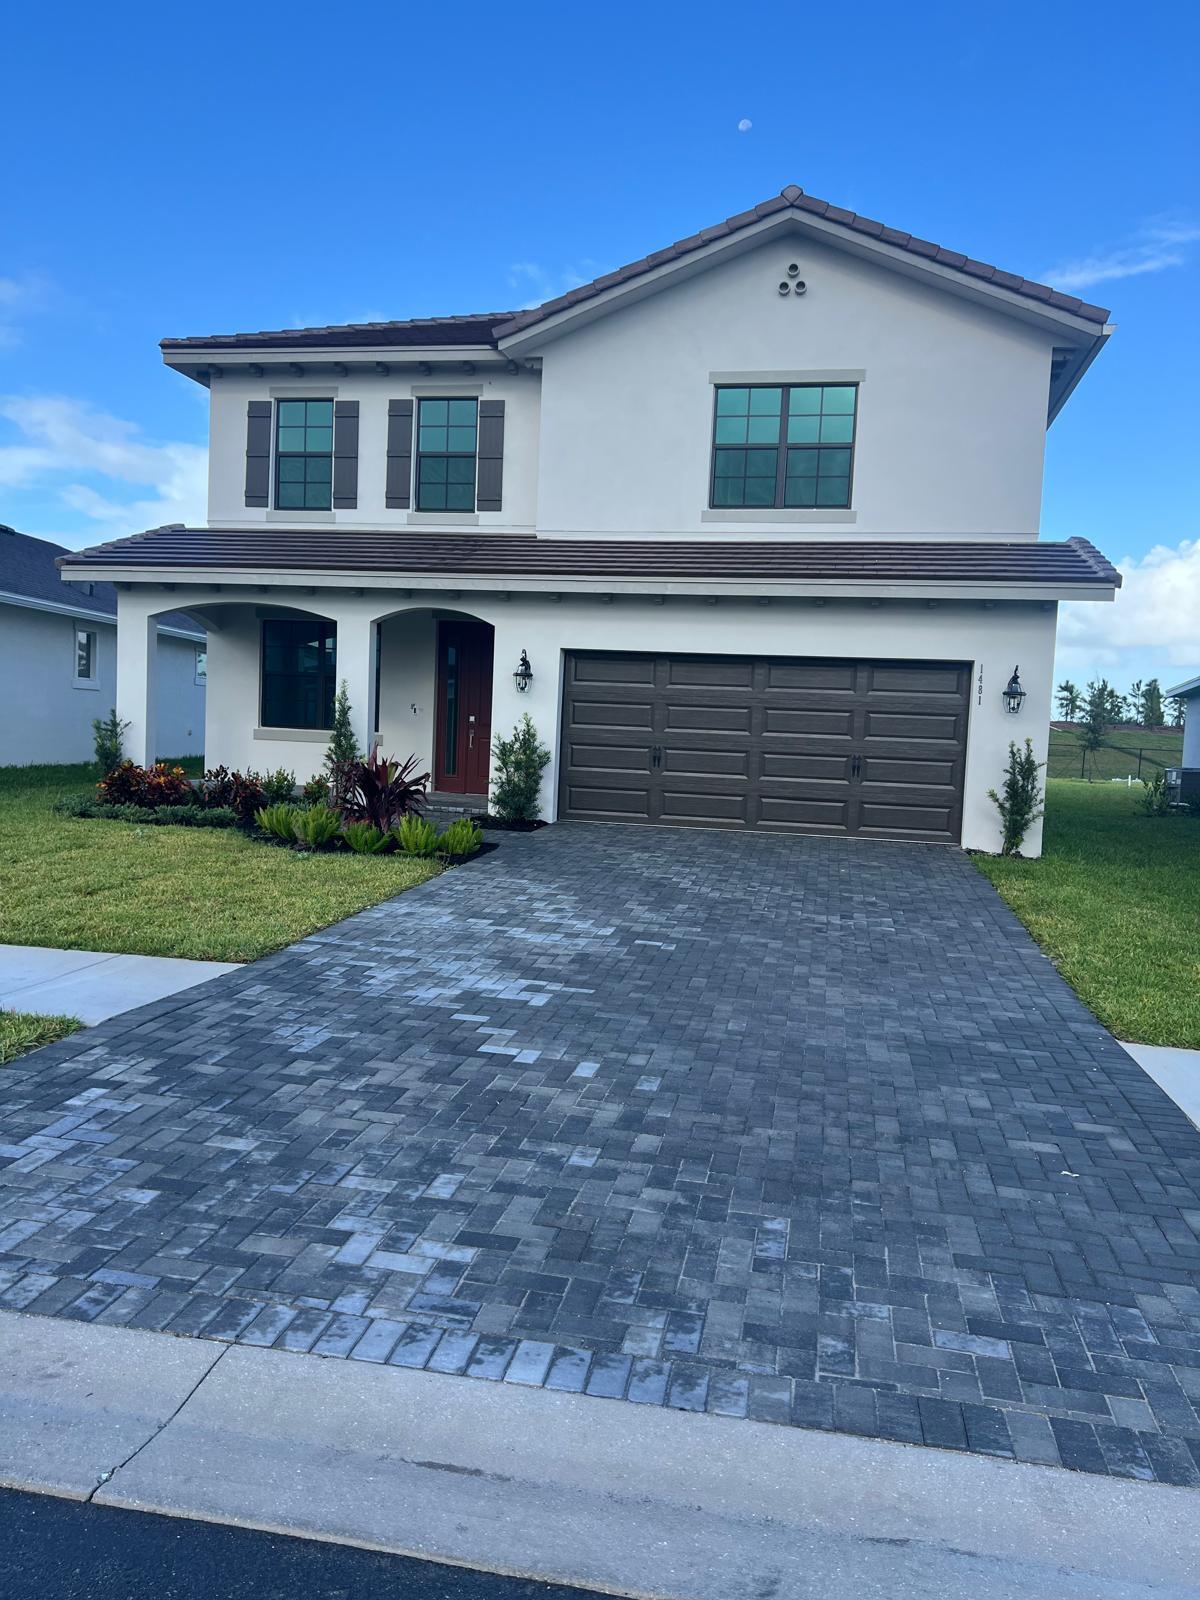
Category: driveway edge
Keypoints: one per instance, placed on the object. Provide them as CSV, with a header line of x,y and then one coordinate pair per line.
x,y
561,1487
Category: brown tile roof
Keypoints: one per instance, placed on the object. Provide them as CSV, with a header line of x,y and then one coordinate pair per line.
x,y
794,198
418,331
503,555
490,327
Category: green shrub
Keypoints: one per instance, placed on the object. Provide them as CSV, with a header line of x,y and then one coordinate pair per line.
x,y
417,836
461,838
159,785
109,733
316,791
1020,804
343,751
1154,800
364,838
517,785
241,791
186,816
279,786
317,826
278,819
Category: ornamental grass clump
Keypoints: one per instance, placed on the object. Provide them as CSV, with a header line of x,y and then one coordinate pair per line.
x,y
279,820
364,838
417,836
1020,801
317,826
462,837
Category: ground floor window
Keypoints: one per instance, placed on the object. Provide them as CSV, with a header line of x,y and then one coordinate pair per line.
x,y
85,656
299,673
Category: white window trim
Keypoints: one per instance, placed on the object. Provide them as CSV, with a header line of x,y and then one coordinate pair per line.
x,y
200,678
92,681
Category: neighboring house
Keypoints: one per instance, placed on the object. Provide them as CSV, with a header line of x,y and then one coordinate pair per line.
x,y
58,661
760,511
1184,780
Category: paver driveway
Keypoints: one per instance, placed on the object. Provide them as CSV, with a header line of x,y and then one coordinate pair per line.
x,y
802,1129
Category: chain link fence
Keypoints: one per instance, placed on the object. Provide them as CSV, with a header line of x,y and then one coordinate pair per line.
x,y
1114,760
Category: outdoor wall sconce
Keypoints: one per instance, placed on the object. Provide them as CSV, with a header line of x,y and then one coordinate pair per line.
x,y
1013,693
523,676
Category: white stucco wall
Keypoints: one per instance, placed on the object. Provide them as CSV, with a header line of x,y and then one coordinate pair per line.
x,y
992,638
615,434
227,443
952,403
180,702
46,716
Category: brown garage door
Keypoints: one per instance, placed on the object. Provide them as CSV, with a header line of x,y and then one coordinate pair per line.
x,y
874,748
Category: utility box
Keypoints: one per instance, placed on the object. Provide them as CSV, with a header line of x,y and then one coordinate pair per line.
x,y
1183,785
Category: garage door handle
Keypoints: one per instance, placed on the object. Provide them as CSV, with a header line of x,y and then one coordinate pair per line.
x,y
855,766
656,756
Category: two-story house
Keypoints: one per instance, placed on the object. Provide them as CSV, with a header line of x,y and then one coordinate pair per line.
x,y
760,512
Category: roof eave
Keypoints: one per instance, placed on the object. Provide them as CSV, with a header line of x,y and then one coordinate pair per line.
x,y
277,578
203,363
519,336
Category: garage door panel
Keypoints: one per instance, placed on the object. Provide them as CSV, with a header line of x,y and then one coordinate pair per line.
x,y
908,770
680,803
709,672
831,724
828,747
934,726
707,719
636,670
812,765
698,763
610,758
822,676
904,678
627,804
611,714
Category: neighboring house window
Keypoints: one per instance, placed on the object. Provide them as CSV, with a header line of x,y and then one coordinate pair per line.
x,y
86,661
304,455
784,446
447,432
299,672
201,665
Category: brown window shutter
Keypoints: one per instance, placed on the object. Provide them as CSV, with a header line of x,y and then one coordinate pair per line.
x,y
490,492
258,453
345,455
399,455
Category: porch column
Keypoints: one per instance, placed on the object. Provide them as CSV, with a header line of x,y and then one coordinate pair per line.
x,y
356,668
137,649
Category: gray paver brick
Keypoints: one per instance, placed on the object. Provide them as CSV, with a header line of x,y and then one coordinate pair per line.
x,y
771,1126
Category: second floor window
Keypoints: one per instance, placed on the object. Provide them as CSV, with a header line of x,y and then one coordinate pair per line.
x,y
784,445
304,455
447,433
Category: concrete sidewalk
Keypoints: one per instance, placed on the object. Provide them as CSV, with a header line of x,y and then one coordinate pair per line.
x,y
90,984
1176,1072
625,1499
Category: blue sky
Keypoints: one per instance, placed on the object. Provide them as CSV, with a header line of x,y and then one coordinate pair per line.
x,y
185,170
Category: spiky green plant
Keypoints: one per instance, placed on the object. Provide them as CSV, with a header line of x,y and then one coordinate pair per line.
x,y
364,838
417,836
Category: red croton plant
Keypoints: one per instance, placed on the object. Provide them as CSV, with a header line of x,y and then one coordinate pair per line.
x,y
382,790
159,785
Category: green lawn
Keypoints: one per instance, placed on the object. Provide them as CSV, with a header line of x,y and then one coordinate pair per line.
x,y
159,891
24,1030
1115,902
1119,758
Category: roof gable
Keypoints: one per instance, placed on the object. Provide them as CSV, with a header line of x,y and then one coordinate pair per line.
x,y
793,210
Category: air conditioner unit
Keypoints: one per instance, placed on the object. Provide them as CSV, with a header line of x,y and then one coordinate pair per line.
x,y
1183,784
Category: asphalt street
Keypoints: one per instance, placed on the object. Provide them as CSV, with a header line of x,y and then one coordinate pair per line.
x,y
56,1549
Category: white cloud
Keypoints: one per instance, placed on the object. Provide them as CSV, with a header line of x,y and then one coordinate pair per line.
x,y
18,297
64,442
546,283
1153,628
1160,244
745,125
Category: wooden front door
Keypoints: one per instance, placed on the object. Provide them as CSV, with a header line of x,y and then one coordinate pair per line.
x,y
464,708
